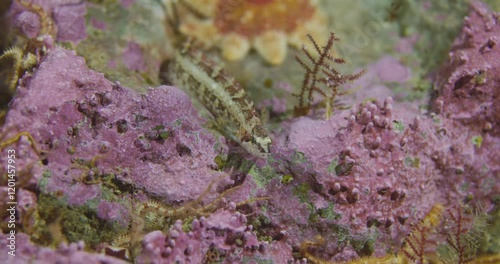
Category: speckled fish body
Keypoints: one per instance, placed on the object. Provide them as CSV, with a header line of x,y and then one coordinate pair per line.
x,y
205,80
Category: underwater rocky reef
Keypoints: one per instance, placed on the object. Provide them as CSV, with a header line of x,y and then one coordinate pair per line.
x,y
250,131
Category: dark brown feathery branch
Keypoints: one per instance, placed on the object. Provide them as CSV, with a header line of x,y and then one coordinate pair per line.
x,y
459,236
320,77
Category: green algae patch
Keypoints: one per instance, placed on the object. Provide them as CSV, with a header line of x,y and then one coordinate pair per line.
x,y
302,192
115,31
287,179
72,223
493,4
477,141
262,176
42,183
329,213
398,126
332,167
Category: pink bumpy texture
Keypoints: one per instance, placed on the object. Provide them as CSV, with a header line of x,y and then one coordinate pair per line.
x,y
90,127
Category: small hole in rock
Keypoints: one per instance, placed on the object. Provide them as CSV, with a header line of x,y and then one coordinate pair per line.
x,y
183,150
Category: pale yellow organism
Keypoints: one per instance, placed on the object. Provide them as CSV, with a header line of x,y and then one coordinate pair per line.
x,y
268,26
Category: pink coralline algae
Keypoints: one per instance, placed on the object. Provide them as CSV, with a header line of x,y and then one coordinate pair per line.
x,y
112,211
469,102
373,83
27,252
470,94
26,203
370,169
28,23
68,15
382,166
133,57
359,181
390,70
224,235
91,128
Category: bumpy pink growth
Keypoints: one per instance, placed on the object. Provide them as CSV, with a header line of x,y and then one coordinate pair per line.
x,y
209,237
75,113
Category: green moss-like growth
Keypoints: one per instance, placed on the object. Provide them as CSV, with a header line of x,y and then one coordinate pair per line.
x,y
256,259
488,228
302,192
412,162
262,176
477,141
262,225
437,23
287,179
363,244
332,166
329,213
141,23
493,4
56,221
398,126
364,247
